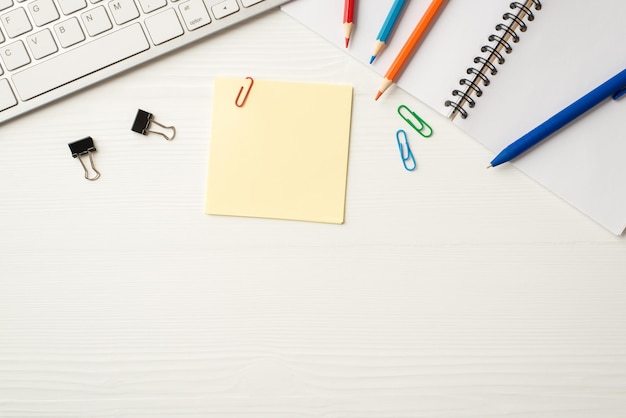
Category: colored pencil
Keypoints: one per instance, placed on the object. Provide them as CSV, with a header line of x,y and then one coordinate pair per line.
x,y
410,45
385,30
348,21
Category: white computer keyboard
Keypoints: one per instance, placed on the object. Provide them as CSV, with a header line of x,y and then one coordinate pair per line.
x,y
50,48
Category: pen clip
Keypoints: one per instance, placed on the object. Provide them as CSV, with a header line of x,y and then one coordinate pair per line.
x,y
413,119
405,151
619,93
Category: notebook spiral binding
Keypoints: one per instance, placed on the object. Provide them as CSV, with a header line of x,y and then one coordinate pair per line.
x,y
492,56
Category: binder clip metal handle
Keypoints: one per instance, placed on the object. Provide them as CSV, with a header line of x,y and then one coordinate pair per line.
x,y
81,148
142,123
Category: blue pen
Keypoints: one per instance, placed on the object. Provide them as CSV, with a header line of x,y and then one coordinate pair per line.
x,y
614,87
390,21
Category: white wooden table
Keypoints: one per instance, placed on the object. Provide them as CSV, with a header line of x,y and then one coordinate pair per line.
x,y
452,291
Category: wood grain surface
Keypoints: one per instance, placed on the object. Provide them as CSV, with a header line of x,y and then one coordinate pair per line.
x,y
451,291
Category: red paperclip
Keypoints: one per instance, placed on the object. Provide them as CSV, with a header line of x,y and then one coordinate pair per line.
x,y
243,101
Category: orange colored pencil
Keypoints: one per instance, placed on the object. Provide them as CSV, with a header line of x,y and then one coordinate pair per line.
x,y
348,16
411,43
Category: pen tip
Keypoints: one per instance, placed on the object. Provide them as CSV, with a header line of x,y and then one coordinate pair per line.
x,y
372,59
380,93
489,166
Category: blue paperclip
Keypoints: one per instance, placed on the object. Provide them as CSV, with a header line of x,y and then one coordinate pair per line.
x,y
417,123
405,151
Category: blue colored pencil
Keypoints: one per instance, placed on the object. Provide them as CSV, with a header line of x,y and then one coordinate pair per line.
x,y
390,22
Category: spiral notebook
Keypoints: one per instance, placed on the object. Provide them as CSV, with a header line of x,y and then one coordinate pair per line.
x,y
568,48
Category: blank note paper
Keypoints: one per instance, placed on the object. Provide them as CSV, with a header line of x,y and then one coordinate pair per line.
x,y
283,154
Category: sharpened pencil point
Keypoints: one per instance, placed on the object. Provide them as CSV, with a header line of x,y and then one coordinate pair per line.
x,y
347,42
380,93
372,59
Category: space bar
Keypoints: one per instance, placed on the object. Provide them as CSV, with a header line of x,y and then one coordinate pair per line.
x,y
80,61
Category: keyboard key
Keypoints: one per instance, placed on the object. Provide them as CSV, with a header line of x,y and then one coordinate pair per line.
x,y
41,44
164,26
5,4
225,8
151,5
96,21
194,14
16,22
70,6
43,11
78,62
14,55
69,32
7,98
248,3
123,11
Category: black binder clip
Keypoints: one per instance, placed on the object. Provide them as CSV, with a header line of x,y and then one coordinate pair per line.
x,y
142,123
83,147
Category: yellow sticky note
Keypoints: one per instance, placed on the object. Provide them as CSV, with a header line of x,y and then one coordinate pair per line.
x,y
283,154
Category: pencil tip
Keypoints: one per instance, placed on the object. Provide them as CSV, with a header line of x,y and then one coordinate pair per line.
x,y
372,59
380,93
347,42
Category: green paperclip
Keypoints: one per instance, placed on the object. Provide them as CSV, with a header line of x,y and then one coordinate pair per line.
x,y
414,120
